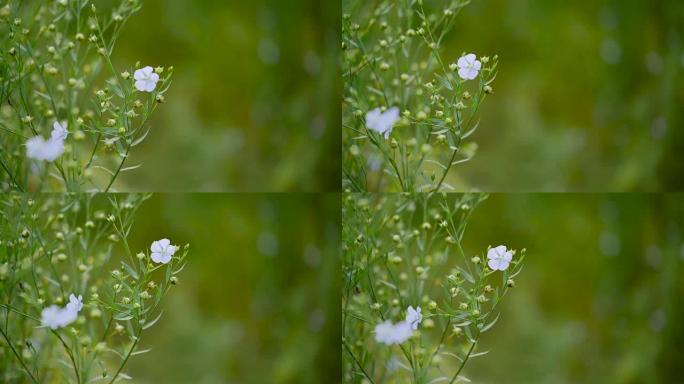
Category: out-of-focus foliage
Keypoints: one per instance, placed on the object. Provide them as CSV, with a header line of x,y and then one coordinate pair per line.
x,y
601,301
589,95
258,301
255,103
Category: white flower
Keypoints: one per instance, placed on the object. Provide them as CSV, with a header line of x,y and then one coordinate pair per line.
x,y
388,333
145,79
49,317
49,150
59,131
499,258
55,317
162,250
382,122
468,66
40,149
413,317
75,303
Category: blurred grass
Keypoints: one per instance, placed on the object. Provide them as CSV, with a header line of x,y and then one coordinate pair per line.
x,y
600,299
258,301
588,96
254,101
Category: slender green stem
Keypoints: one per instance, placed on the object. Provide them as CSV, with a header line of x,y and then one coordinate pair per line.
x,y
71,356
128,355
11,308
123,159
446,170
11,175
463,362
4,335
92,154
441,341
346,346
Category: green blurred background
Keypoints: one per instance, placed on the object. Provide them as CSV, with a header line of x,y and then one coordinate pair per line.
x,y
601,296
254,104
259,299
589,95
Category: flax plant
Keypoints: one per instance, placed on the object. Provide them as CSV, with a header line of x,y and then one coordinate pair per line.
x,y
414,302
409,109
69,117
75,297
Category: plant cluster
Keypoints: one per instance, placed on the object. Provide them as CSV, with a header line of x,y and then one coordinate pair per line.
x,y
68,117
408,109
414,304
75,298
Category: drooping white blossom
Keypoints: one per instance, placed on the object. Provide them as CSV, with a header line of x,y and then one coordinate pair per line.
x,y
388,333
59,131
145,79
499,258
50,317
382,122
414,317
48,150
75,303
162,251
468,66
55,317
40,149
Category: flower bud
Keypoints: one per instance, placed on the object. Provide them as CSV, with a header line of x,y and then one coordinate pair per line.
x,y
95,313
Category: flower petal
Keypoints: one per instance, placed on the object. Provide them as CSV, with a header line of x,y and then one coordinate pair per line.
x,y
156,257
140,85
462,62
165,258
156,247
